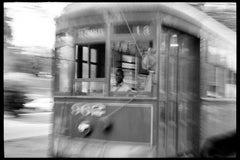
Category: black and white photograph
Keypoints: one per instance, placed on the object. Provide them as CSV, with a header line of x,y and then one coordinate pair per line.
x,y
119,80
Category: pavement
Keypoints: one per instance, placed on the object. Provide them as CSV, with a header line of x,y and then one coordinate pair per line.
x,y
24,129
27,136
36,147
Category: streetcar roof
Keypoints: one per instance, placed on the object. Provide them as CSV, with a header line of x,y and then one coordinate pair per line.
x,y
182,10
208,26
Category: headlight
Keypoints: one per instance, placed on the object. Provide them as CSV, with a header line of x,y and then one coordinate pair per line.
x,y
85,128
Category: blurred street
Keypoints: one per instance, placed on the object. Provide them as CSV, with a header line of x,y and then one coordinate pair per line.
x,y
36,147
27,136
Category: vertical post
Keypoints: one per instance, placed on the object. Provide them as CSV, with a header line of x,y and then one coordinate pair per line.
x,y
177,93
198,119
203,67
54,63
108,53
136,71
203,87
158,38
73,67
75,70
167,96
200,49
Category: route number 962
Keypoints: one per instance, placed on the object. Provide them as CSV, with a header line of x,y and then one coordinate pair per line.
x,y
92,109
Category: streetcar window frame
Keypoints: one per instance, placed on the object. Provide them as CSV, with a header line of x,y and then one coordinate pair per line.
x,y
97,80
90,61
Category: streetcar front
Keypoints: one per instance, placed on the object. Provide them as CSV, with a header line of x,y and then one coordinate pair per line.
x,y
97,114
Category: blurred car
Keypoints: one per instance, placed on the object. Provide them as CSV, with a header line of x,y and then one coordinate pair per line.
x,y
15,90
14,100
41,104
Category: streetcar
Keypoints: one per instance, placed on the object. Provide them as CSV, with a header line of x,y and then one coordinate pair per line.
x,y
179,66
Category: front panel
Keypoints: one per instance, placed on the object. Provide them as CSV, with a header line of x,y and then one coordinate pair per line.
x,y
131,124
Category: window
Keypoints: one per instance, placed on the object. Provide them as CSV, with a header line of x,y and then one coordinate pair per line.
x,y
231,77
216,81
230,86
90,69
138,69
90,61
138,28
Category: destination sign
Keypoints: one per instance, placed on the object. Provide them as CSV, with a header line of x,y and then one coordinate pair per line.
x,y
90,32
139,29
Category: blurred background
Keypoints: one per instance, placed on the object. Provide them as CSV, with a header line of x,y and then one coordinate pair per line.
x,y
29,37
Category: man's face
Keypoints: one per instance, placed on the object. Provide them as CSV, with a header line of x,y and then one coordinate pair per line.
x,y
119,77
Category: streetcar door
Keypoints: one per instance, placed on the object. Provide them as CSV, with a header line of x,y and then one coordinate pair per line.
x,y
182,91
